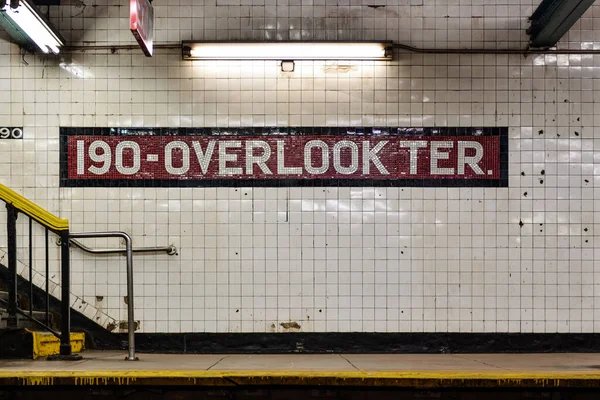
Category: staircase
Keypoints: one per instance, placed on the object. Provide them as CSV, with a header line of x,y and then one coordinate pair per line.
x,y
27,339
37,315
22,322
25,330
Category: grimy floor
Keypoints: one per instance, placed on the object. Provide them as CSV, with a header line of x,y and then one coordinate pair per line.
x,y
351,370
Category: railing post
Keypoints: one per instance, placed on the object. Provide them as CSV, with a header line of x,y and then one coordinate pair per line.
x,y
65,333
47,275
30,267
11,230
130,317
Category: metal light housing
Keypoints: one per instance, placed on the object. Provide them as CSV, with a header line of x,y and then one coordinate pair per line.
x,y
29,27
553,18
215,50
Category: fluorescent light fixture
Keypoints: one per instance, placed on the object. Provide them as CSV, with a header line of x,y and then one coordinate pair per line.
x,y
29,23
287,50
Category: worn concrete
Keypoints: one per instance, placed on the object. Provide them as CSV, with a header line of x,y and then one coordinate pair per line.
x,y
385,370
110,360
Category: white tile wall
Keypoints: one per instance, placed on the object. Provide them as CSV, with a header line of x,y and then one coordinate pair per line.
x,y
330,259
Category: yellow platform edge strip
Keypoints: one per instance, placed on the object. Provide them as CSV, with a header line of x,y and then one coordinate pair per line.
x,y
46,344
413,379
36,212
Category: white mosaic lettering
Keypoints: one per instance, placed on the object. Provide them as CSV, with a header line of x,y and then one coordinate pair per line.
x,y
281,168
185,164
436,155
80,158
224,157
308,157
414,146
127,144
337,162
204,157
472,160
261,160
105,157
370,156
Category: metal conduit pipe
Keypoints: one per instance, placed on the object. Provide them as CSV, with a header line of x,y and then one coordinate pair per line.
x,y
114,48
525,52
411,49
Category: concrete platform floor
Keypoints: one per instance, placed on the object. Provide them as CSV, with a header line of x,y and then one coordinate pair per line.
x,y
357,370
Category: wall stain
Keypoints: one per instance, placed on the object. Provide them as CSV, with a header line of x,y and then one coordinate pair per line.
x,y
290,325
334,68
123,326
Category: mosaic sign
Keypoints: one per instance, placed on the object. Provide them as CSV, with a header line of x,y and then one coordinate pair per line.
x,y
11,133
320,156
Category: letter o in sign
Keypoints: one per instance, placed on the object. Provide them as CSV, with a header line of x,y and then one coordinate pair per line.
x,y
337,158
319,144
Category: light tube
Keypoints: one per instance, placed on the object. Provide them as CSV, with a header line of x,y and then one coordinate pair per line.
x,y
34,26
287,50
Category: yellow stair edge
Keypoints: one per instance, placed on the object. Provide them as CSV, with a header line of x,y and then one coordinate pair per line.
x,y
46,344
36,212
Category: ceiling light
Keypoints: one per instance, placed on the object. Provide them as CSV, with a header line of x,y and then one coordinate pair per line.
x,y
287,50
27,24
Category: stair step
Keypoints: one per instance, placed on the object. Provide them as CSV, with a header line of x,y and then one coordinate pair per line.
x,y
39,315
24,322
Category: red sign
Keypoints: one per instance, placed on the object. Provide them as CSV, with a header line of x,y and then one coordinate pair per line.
x,y
141,23
277,158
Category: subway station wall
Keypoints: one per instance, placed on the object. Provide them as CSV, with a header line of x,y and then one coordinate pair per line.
x,y
364,258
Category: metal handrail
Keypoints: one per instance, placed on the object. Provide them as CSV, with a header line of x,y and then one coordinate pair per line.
x,y
32,210
15,205
129,252
170,250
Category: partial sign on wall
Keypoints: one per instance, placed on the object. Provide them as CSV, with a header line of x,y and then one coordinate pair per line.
x,y
309,156
11,132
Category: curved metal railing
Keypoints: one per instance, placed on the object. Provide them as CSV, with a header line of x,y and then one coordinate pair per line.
x,y
170,250
128,250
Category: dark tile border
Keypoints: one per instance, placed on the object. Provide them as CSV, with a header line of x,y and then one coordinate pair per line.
x,y
357,343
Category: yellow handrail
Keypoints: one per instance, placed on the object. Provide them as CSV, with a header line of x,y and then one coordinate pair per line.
x,y
36,212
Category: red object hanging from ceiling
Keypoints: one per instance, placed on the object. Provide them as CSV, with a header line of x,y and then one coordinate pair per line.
x,y
141,23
